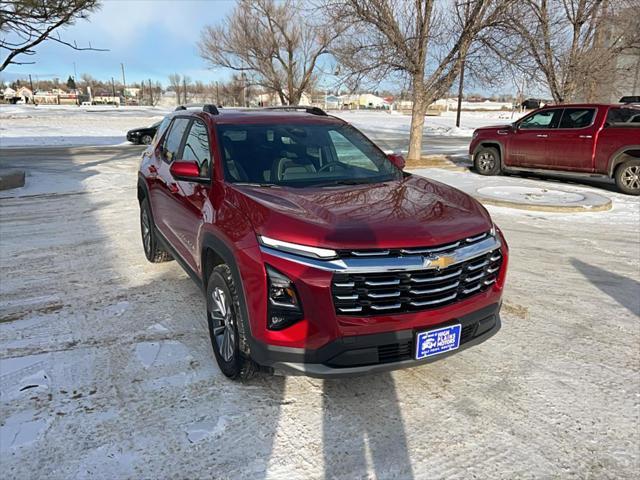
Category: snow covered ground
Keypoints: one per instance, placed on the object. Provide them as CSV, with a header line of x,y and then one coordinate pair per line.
x,y
106,369
27,125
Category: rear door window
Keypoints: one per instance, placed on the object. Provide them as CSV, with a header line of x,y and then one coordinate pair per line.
x,y
173,140
623,115
577,117
196,147
542,120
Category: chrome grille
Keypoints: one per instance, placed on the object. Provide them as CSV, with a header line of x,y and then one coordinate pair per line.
x,y
403,252
398,292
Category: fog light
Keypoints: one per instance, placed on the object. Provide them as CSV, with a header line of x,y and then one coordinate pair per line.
x,y
283,307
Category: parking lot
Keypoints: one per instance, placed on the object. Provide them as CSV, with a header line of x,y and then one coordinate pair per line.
x,y
107,370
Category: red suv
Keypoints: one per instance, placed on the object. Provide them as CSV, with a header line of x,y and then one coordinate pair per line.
x,y
317,253
576,140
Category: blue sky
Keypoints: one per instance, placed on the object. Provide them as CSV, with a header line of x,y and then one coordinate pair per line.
x,y
153,38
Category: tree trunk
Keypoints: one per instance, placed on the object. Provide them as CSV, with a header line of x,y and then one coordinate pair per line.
x,y
417,122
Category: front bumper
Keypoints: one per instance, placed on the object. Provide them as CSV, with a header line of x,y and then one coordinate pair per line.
x,y
361,354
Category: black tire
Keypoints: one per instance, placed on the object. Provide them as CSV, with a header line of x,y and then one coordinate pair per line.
x,y
224,317
628,177
152,250
486,161
146,139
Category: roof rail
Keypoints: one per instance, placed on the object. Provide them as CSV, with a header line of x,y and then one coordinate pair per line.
x,y
306,108
207,107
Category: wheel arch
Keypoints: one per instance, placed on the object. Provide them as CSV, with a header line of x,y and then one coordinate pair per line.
x,y
491,144
621,155
214,252
143,189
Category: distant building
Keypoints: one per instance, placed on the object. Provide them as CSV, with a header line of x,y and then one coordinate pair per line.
x,y
364,101
25,95
105,99
8,95
45,98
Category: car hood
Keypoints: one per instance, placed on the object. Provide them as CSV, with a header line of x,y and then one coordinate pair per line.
x,y
495,127
410,212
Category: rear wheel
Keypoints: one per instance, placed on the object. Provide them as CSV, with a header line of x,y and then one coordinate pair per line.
x,y
152,250
487,161
146,139
224,316
628,177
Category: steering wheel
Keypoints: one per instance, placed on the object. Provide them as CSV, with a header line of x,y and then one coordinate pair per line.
x,y
333,164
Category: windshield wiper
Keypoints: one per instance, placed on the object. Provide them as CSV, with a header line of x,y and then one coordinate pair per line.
x,y
252,184
342,182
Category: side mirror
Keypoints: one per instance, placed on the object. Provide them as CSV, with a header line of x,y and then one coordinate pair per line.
x,y
187,171
397,160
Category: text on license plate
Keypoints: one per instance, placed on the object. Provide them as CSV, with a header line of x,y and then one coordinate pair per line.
x,y
437,341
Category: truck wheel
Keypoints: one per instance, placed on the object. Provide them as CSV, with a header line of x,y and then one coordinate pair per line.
x,y
628,177
223,317
152,250
487,161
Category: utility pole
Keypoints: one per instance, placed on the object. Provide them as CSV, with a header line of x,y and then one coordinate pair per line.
x,y
460,88
150,93
124,85
75,74
217,95
113,89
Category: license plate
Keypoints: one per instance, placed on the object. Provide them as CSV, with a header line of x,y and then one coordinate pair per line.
x,y
437,341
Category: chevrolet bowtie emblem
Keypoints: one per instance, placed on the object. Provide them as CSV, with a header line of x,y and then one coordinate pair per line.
x,y
439,263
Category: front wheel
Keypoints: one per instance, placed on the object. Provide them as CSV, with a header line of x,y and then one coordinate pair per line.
x,y
152,250
146,139
487,161
628,177
224,316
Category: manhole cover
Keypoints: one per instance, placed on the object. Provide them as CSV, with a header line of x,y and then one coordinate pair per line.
x,y
531,195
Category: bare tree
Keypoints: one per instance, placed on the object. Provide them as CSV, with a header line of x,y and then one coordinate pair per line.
x,y
175,84
425,41
571,46
25,24
275,43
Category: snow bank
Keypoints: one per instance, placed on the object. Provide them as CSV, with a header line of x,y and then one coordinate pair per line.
x,y
56,125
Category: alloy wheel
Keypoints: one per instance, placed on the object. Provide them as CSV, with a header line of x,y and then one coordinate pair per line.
x,y
630,177
486,161
146,232
223,329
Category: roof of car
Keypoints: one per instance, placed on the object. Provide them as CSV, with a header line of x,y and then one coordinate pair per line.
x,y
585,105
263,115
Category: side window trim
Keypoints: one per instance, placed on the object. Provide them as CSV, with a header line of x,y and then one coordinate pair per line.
x,y
531,115
182,140
186,137
593,118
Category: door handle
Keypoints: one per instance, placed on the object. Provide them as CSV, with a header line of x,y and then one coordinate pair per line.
x,y
542,135
585,136
173,188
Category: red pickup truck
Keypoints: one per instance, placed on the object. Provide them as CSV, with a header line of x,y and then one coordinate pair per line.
x,y
593,140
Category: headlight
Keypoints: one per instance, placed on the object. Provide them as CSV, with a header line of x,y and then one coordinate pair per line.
x,y
283,307
304,250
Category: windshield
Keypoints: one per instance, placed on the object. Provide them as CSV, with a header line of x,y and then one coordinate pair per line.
x,y
302,155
